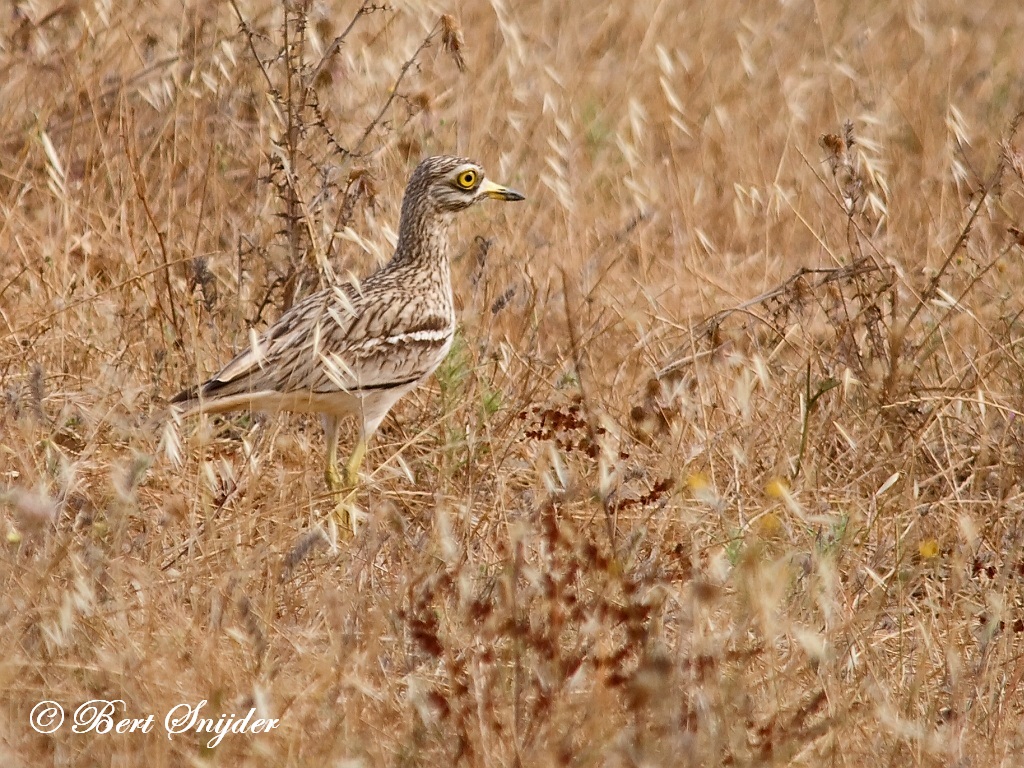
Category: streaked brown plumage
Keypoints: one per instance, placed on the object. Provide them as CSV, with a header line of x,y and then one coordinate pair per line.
x,y
356,349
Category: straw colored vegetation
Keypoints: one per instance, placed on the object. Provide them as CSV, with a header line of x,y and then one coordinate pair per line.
x,y
724,467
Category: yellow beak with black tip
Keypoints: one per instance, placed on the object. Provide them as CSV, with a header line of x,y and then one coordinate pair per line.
x,y
498,192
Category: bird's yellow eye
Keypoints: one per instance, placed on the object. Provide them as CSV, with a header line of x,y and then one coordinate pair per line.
x,y
467,179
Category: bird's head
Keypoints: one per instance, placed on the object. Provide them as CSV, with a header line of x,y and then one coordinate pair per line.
x,y
454,183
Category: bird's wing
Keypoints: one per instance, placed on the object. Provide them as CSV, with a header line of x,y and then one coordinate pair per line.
x,y
285,357
338,339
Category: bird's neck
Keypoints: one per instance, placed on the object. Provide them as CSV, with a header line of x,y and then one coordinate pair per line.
x,y
422,240
421,256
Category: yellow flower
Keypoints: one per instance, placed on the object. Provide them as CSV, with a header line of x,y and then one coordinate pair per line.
x,y
928,549
777,488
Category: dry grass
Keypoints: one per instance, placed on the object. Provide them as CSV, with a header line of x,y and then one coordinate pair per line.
x,y
726,468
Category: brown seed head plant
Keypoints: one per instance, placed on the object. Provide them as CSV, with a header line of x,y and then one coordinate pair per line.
x,y
725,466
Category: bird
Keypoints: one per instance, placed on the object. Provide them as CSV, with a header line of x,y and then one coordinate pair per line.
x,y
353,349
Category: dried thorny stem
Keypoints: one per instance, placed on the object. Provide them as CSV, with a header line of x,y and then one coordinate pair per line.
x,y
393,91
899,335
314,76
304,118
790,289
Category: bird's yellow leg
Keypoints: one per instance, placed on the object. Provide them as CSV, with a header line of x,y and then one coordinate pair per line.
x,y
355,461
334,482
339,488
344,511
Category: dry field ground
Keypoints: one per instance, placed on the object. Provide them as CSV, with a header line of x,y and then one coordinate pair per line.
x,y
725,468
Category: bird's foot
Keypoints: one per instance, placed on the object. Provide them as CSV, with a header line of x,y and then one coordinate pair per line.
x,y
347,515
